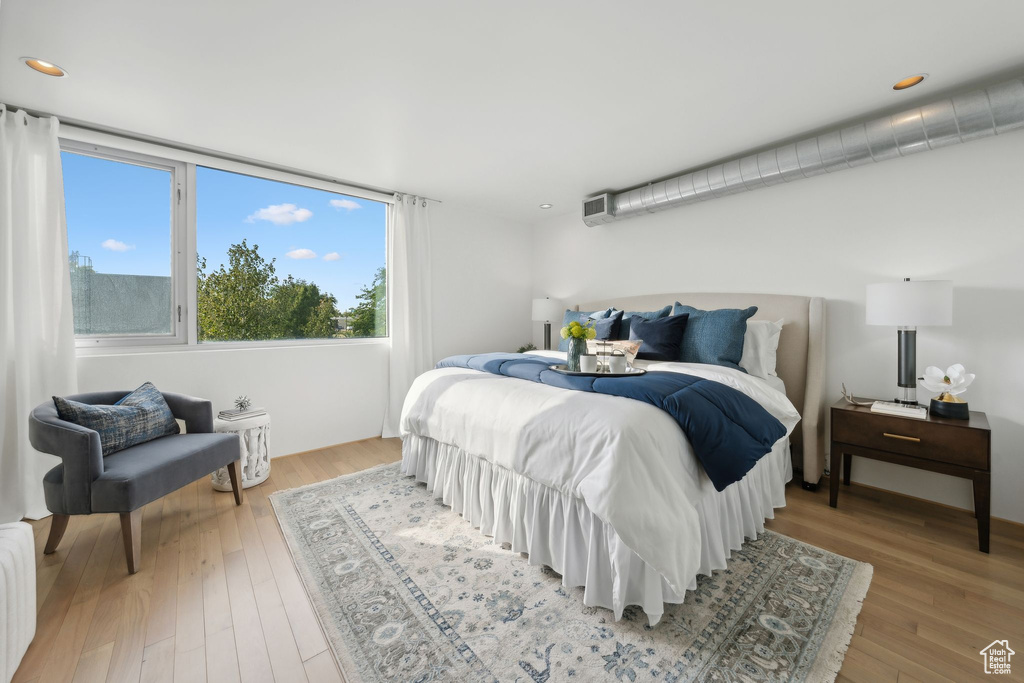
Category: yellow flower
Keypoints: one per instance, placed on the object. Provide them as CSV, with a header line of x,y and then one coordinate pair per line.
x,y
565,333
591,333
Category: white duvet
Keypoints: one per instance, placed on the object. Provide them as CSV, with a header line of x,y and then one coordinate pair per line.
x,y
628,461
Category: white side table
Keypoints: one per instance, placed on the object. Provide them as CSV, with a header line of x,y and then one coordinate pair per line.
x,y
253,434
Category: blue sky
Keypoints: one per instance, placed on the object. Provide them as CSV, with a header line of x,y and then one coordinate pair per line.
x,y
119,215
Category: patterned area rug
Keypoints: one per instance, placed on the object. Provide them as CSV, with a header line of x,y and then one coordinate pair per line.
x,y
407,590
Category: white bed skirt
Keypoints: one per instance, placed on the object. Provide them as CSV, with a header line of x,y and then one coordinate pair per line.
x,y
560,531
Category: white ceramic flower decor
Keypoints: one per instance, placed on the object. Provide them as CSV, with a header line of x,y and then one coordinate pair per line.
x,y
949,384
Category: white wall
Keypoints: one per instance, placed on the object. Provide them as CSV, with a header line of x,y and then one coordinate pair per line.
x,y
482,281
324,395
955,213
316,395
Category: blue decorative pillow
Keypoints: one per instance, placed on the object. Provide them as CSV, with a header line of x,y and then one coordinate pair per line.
x,y
608,328
582,317
662,337
715,337
141,416
646,315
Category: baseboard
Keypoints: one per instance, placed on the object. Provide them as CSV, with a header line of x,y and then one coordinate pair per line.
x,y
322,448
926,500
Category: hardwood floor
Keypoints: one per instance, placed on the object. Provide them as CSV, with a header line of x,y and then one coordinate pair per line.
x,y
217,597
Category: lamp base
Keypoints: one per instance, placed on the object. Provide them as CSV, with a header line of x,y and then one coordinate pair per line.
x,y
906,375
906,395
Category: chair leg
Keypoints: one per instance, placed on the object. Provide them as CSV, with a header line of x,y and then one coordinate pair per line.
x,y
131,534
58,525
236,481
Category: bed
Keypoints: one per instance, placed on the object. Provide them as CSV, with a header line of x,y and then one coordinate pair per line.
x,y
605,490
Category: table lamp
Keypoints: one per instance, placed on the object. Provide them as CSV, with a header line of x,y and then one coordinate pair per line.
x,y
548,310
908,305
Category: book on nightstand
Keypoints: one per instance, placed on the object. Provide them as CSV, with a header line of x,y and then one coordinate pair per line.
x,y
231,415
900,409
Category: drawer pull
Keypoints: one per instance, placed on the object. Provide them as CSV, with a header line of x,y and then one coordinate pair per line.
x,y
901,437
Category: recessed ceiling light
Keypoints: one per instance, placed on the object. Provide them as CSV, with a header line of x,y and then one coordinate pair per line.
x,y
909,82
545,206
44,67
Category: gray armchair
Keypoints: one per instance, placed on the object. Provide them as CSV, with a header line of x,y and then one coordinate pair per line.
x,y
125,481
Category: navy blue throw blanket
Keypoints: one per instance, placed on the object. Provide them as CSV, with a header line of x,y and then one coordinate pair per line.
x,y
729,431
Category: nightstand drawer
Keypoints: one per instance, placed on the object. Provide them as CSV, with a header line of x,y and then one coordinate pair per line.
x,y
920,439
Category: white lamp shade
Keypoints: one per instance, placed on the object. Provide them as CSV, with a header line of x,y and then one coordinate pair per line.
x,y
548,310
910,303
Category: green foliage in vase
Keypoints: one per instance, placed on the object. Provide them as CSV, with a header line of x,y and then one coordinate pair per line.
x,y
525,348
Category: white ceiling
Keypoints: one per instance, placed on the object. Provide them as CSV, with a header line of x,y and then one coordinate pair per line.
x,y
501,106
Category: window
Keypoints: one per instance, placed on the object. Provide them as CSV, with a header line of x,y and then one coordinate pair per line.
x,y
283,261
190,249
122,216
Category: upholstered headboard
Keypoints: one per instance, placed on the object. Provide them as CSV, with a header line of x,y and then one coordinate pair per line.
x,y
801,357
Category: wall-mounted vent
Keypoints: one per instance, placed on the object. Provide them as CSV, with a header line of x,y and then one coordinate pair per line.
x,y
995,110
597,210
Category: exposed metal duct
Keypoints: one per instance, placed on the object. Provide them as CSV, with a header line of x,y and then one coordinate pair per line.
x,y
950,121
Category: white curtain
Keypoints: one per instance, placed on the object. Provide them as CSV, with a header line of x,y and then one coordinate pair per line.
x,y
37,344
412,347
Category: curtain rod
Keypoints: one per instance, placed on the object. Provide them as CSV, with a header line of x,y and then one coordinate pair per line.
x,y
140,137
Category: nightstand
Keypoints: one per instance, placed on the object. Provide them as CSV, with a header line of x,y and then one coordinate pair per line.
x,y
961,448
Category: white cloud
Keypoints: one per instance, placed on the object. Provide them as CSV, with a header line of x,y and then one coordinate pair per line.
x,y
346,204
116,245
281,214
333,256
301,254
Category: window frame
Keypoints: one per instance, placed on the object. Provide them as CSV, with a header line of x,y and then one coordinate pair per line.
x,y
184,272
179,325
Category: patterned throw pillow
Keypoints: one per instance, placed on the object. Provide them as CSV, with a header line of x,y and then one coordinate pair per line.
x,y
714,337
141,416
598,347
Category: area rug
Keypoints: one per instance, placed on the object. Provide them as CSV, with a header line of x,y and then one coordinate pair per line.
x,y
406,590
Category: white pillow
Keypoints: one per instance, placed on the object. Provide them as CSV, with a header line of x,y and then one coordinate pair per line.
x,y
760,347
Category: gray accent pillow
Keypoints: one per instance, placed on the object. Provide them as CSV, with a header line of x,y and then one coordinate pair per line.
x,y
141,416
714,337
